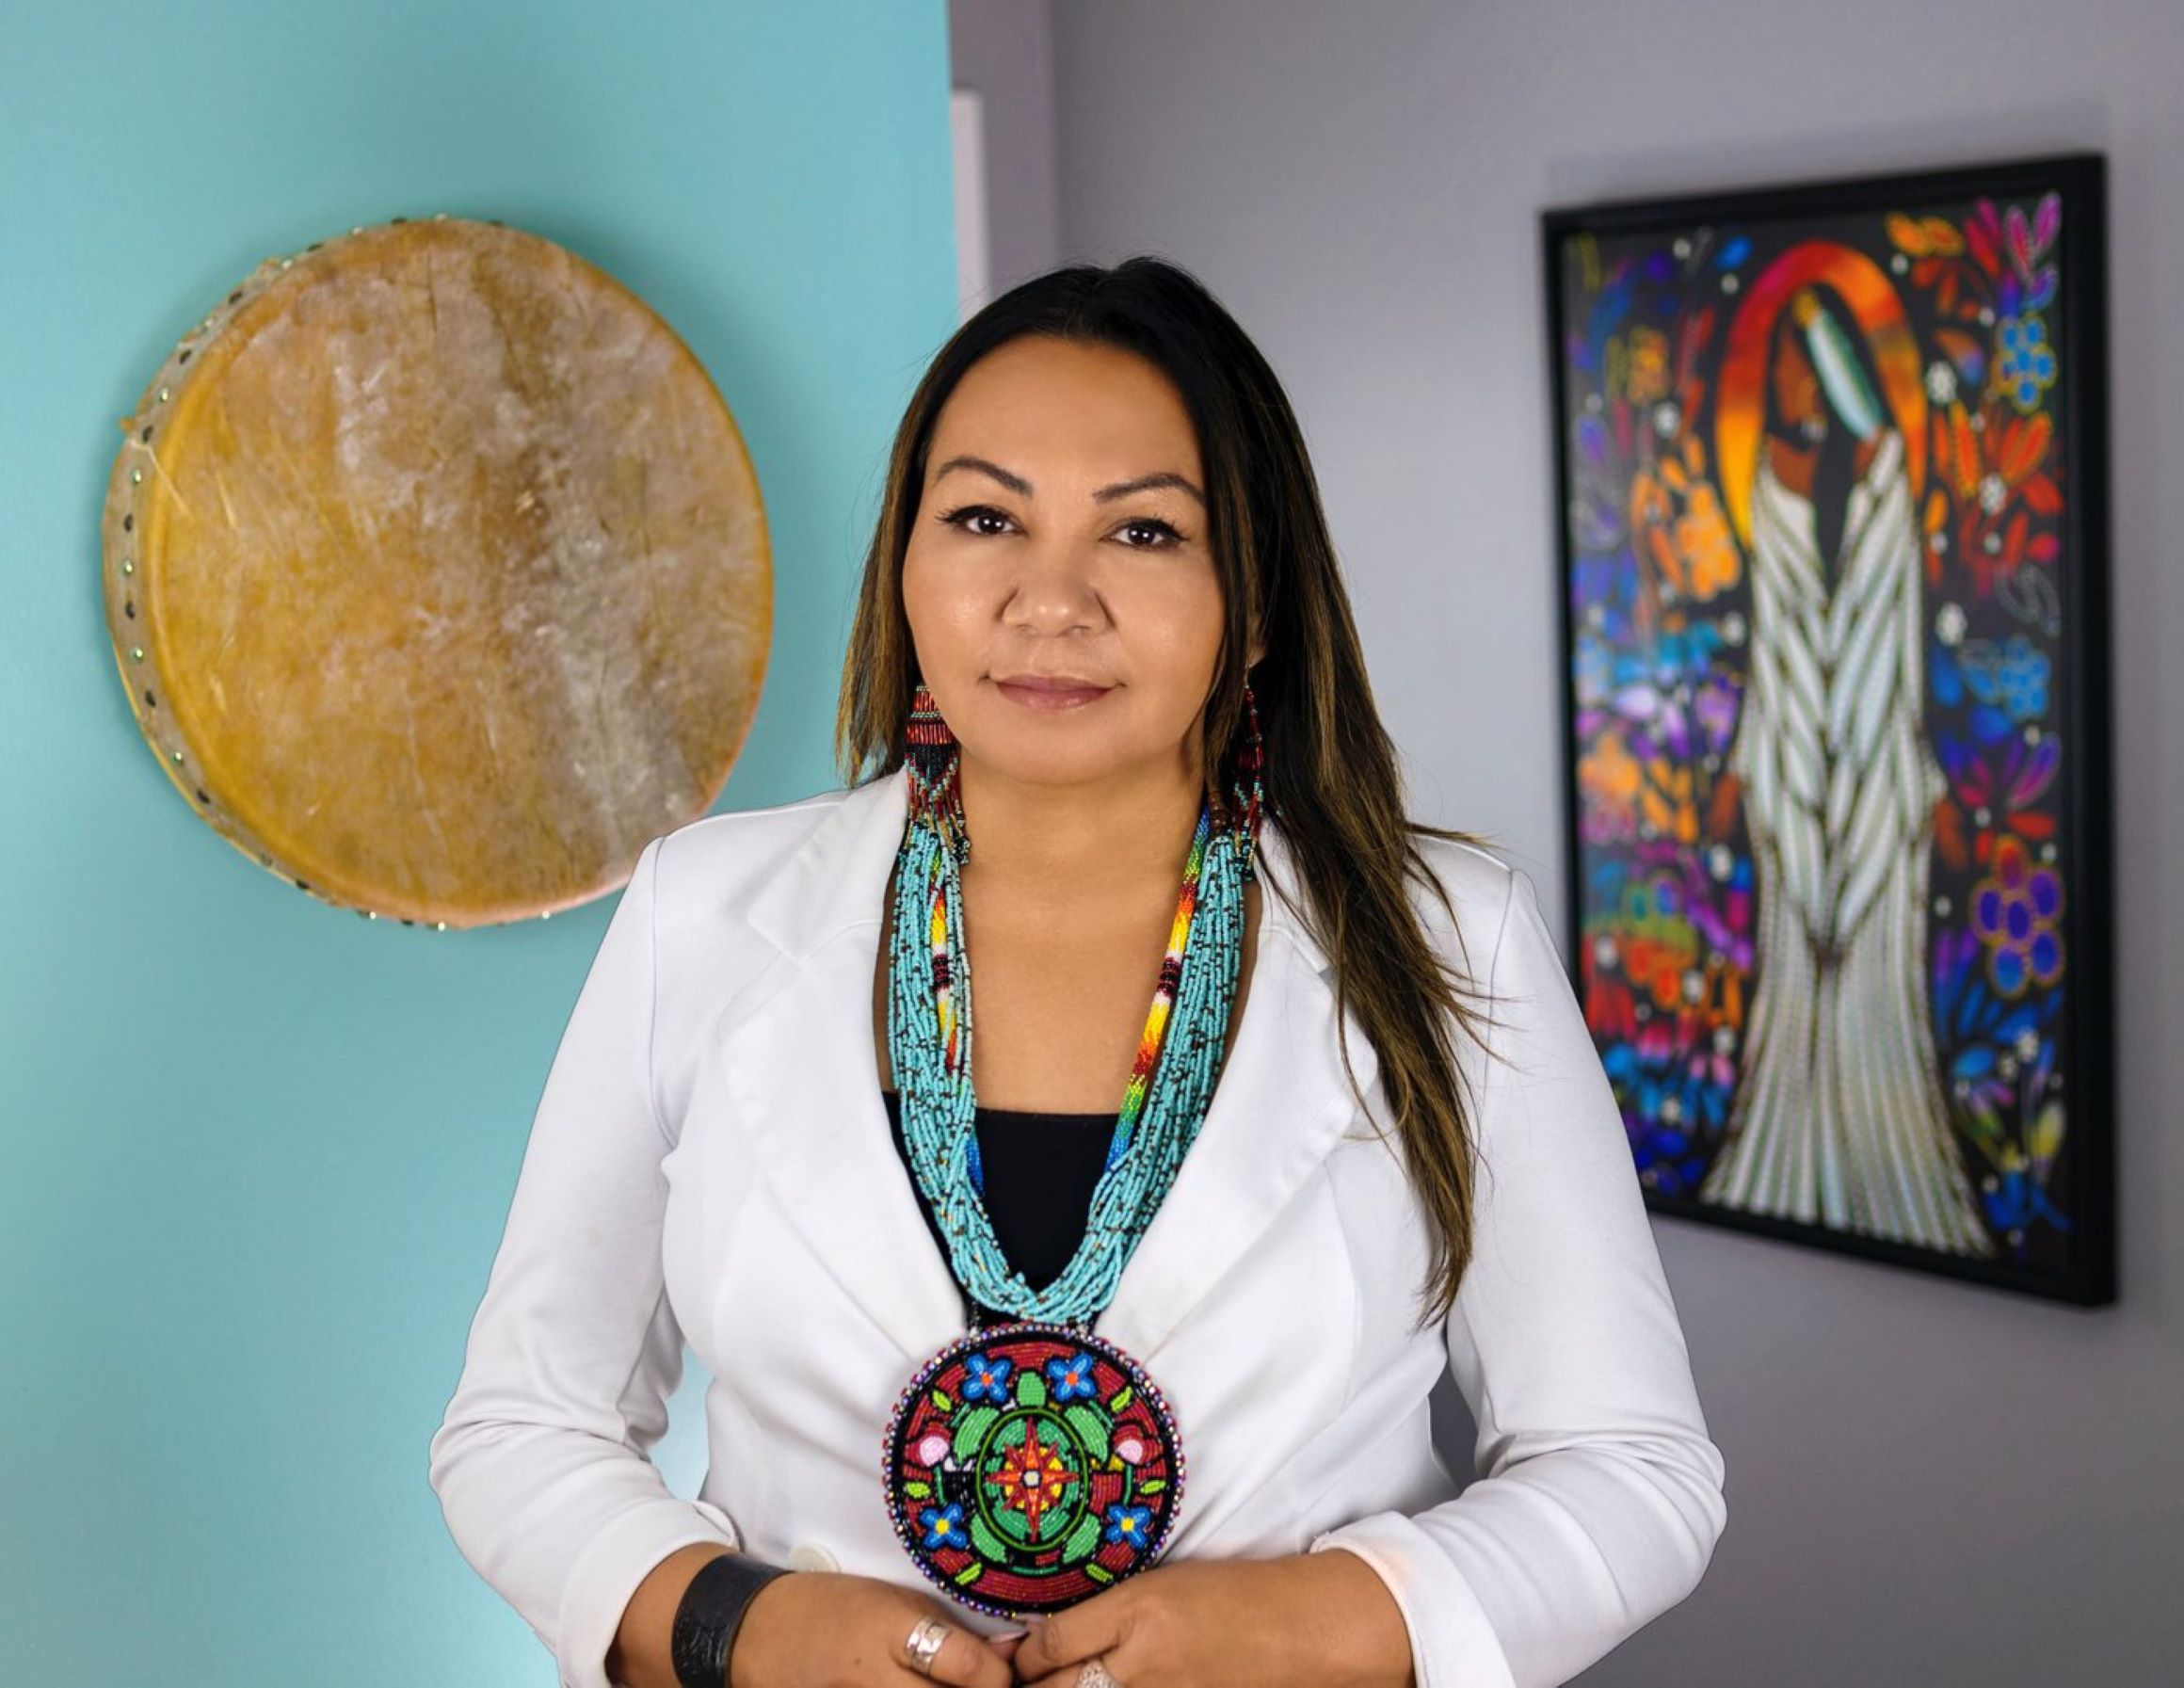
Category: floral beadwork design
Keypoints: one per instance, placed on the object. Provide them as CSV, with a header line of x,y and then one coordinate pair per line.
x,y
1030,1466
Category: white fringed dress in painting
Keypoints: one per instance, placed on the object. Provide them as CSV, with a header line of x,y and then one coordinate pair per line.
x,y
1838,1117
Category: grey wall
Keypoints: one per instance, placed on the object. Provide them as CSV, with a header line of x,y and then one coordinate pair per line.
x,y
1930,1482
1004,50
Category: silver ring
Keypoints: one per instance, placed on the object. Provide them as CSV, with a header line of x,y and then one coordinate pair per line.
x,y
1094,1673
926,1635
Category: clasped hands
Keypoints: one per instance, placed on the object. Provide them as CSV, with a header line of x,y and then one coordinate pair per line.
x,y
1324,1619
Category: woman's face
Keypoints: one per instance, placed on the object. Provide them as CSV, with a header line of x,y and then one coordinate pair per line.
x,y
1797,393
1061,533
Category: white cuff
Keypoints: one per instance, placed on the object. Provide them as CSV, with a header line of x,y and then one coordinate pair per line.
x,y
1452,1644
608,1572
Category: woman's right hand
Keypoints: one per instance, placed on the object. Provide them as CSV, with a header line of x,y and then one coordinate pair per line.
x,y
832,1630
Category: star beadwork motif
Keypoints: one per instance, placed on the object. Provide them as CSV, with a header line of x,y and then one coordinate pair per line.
x,y
1031,1476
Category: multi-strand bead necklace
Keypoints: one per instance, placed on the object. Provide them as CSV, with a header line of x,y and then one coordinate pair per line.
x,y
1030,1464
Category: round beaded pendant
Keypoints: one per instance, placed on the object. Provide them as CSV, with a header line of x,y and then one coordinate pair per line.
x,y
1030,1465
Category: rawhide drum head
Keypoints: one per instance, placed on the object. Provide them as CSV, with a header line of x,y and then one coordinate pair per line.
x,y
437,574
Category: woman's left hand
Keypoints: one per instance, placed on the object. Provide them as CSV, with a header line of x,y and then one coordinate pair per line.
x,y
1323,1619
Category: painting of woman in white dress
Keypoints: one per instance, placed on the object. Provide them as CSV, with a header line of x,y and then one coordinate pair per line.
x,y
1830,467
1839,1115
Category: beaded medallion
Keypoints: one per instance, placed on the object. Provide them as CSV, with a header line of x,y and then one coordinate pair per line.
x,y
1030,1464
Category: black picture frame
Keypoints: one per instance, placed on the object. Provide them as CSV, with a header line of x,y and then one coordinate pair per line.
x,y
1802,379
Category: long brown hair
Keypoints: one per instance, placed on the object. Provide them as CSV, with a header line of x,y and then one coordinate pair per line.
x,y
1331,774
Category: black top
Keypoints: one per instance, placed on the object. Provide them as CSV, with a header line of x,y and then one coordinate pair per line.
x,y
1040,1170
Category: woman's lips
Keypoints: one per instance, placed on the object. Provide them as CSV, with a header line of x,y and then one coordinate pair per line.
x,y
1050,696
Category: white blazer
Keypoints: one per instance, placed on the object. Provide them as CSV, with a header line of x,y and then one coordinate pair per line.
x,y
711,1163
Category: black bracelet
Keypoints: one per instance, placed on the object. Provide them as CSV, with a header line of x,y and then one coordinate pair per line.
x,y
712,1612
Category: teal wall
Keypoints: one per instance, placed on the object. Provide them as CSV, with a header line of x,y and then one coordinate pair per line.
x,y
255,1152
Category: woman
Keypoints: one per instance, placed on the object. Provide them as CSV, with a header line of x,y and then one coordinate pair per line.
x,y
1838,1117
1187,1347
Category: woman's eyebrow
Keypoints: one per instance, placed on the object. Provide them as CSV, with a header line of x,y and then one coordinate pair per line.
x,y
1016,482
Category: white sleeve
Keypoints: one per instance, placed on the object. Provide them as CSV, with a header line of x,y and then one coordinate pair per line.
x,y
543,1462
1600,1494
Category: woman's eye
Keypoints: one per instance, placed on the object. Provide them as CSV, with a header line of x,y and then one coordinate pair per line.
x,y
973,513
1152,524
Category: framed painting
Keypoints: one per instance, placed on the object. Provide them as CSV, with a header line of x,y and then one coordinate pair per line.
x,y
1831,480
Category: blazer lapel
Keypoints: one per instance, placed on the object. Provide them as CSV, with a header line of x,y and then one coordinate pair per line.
x,y
799,1060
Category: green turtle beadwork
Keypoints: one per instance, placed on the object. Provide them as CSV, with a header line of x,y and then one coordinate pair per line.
x,y
1030,1465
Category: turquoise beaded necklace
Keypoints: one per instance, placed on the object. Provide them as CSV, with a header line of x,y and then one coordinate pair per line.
x,y
929,1042
1030,1464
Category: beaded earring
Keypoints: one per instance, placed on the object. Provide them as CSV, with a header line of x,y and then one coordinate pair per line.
x,y
1247,791
936,789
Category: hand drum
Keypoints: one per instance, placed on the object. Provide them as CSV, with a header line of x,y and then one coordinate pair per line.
x,y
437,574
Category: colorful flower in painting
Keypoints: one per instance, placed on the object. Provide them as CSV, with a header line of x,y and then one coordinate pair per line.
x,y
2015,454
2030,285
2012,677
1714,708
2030,765
2024,1150
1128,1524
2007,501
1935,254
2027,365
1702,539
1659,945
1999,1078
985,1376
2019,1191
1647,794
944,1526
1610,777
1072,1378
2014,911
1678,522
1997,775
1968,1015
